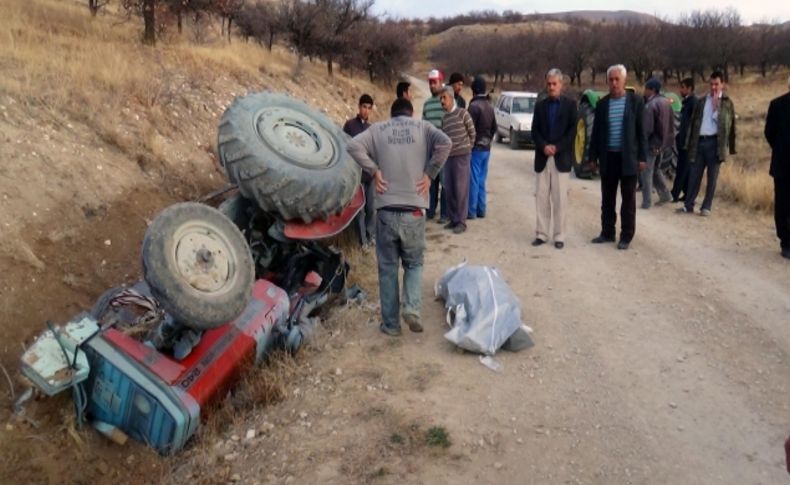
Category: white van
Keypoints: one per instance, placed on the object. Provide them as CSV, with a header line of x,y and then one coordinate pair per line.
x,y
514,111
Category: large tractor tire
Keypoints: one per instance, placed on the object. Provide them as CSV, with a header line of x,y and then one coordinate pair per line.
x,y
581,148
287,157
198,265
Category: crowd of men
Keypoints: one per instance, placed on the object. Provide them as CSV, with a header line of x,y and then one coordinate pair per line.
x,y
413,169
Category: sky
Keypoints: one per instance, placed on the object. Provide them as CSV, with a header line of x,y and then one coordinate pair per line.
x,y
751,11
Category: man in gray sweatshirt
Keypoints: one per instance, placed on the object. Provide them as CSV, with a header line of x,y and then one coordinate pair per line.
x,y
402,155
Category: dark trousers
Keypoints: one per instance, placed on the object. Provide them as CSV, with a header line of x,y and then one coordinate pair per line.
x,y
437,197
707,158
456,188
366,218
680,186
609,183
782,210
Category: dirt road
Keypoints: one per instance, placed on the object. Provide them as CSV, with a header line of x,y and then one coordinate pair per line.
x,y
666,363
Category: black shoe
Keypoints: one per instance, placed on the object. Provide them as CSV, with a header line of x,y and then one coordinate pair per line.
x,y
623,244
786,253
538,241
559,244
601,239
481,216
449,225
459,228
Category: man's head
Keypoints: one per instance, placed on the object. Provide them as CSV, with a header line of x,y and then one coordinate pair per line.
x,y
401,107
716,83
456,81
554,83
402,90
687,86
615,78
652,87
479,86
435,81
447,98
365,105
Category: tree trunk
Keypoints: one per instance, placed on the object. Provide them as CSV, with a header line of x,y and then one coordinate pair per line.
x,y
230,21
271,40
179,22
93,6
330,69
742,67
763,66
149,35
593,74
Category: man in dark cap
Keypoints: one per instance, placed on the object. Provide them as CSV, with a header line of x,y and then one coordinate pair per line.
x,y
482,114
366,219
457,82
660,133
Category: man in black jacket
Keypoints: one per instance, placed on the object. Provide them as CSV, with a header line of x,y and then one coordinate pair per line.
x,y
619,146
682,174
483,116
554,131
777,132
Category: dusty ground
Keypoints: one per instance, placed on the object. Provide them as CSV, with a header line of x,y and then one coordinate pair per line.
x,y
666,363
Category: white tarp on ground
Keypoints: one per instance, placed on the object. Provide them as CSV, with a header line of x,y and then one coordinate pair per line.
x,y
482,310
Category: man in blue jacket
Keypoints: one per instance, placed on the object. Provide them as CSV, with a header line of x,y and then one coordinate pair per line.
x,y
619,147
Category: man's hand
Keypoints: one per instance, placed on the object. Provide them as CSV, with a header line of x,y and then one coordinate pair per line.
x,y
593,166
381,184
424,185
550,150
642,166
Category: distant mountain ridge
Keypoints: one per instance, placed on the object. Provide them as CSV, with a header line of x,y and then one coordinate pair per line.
x,y
597,16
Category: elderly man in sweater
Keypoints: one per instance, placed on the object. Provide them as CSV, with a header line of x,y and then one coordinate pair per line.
x,y
458,125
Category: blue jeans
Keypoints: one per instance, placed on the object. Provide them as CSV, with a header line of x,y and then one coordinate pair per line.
x,y
477,183
400,239
437,197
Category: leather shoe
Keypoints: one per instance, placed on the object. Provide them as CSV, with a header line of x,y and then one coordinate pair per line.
x,y
449,225
623,244
459,229
602,239
538,242
559,244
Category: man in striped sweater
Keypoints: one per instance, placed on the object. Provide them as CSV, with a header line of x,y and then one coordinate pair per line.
x,y
433,113
458,125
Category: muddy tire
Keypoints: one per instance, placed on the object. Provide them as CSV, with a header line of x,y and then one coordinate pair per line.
x,y
286,157
198,265
581,148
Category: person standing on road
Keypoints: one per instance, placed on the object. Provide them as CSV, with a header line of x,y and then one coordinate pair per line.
x,y
711,135
483,116
458,125
680,185
401,155
554,131
619,146
457,83
402,90
777,132
660,133
433,113
366,219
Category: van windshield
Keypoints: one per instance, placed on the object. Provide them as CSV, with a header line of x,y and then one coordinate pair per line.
x,y
523,105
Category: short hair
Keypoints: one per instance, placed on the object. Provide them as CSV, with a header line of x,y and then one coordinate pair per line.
x,y
366,99
449,90
717,75
554,72
617,67
401,106
401,88
688,82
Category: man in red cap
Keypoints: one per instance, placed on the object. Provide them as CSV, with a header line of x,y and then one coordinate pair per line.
x,y
433,113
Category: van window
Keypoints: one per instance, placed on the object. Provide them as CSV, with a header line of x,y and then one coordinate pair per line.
x,y
506,102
